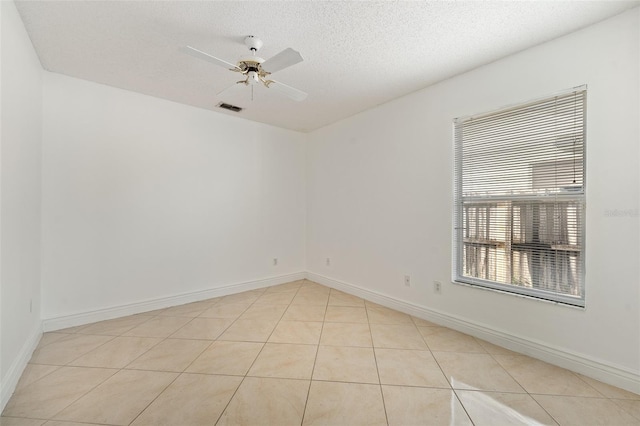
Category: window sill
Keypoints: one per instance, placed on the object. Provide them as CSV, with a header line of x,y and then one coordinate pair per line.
x,y
524,296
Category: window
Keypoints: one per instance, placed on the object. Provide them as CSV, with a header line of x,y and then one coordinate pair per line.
x,y
520,197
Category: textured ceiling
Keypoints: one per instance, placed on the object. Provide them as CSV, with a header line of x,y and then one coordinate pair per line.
x,y
357,54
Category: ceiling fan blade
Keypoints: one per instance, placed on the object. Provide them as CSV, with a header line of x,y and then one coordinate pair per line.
x,y
232,90
293,93
282,60
206,57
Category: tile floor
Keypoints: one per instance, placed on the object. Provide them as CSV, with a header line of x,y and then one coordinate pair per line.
x,y
296,354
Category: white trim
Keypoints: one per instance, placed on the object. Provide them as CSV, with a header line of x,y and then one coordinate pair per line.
x,y
8,385
82,318
618,376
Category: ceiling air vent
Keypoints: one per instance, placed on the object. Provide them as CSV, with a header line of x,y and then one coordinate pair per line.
x,y
229,107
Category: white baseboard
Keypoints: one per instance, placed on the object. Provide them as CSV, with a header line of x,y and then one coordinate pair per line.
x,y
82,318
614,375
8,385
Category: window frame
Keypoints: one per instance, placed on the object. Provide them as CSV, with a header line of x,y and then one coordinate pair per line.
x,y
570,196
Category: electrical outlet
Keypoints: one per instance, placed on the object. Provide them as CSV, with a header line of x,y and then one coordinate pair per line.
x,y
328,262
407,280
275,261
437,287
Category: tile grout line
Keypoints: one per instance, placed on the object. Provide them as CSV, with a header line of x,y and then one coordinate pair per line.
x,y
58,367
625,410
169,337
156,397
518,382
84,394
455,392
270,334
249,369
244,376
493,356
162,339
123,368
70,366
445,376
375,359
315,360
119,369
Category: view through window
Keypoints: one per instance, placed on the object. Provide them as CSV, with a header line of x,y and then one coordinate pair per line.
x,y
519,198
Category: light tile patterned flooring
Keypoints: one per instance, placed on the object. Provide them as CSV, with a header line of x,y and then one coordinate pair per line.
x,y
297,353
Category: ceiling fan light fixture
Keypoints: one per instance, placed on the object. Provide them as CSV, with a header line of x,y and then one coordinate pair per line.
x,y
252,77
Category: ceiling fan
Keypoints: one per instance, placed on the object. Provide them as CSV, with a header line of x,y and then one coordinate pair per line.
x,y
255,69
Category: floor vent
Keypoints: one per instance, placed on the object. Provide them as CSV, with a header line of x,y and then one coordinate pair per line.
x,y
229,107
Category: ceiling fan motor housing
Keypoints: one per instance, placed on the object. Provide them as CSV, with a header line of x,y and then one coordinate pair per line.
x,y
250,65
253,43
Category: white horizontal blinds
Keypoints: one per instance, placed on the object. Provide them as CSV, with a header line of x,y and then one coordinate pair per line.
x,y
519,198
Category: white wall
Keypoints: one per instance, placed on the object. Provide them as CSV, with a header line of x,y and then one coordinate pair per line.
x,y
145,198
379,189
20,192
